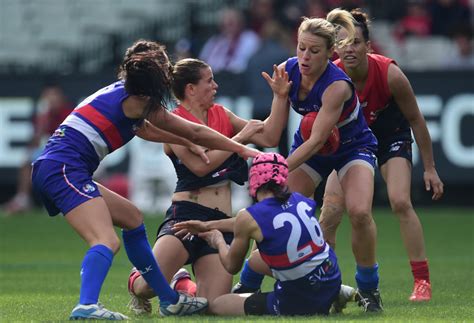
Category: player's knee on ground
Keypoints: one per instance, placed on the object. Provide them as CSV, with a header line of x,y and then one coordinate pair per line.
x,y
256,304
229,304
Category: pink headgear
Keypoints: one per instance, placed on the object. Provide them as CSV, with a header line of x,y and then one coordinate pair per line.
x,y
266,167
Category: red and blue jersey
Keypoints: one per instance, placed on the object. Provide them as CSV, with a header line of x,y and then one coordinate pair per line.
x,y
353,129
234,168
95,128
293,244
378,104
350,122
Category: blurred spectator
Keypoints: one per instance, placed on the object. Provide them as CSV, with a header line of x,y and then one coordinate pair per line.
x,y
293,12
449,15
232,47
316,9
259,13
182,49
345,4
228,51
291,15
463,57
52,108
416,22
274,49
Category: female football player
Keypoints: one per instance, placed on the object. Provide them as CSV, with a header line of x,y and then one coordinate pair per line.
x,y
203,191
290,242
392,113
311,82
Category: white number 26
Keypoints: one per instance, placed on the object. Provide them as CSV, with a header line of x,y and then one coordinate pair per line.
x,y
311,224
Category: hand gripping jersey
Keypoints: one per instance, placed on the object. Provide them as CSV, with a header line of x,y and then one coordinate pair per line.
x,y
293,244
95,128
351,123
234,168
380,109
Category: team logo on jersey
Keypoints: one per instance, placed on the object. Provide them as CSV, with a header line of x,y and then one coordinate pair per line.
x,y
287,205
88,188
302,109
60,132
220,173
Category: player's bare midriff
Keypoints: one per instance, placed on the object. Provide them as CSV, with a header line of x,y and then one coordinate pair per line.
x,y
216,196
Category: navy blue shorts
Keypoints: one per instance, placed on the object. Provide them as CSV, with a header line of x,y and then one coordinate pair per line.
x,y
360,149
184,211
310,295
60,187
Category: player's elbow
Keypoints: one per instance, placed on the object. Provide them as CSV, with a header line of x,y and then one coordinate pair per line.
x,y
232,269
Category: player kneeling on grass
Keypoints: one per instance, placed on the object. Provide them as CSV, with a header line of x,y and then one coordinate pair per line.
x,y
290,242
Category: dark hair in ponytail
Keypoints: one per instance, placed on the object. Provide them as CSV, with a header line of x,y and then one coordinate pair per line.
x,y
146,71
141,46
362,21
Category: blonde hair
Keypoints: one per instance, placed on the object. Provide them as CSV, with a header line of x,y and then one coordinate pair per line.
x,y
327,28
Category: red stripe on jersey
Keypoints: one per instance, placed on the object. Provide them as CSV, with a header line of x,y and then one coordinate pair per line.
x,y
345,114
282,261
108,129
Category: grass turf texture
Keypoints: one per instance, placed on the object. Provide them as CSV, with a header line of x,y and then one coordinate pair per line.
x,y
40,258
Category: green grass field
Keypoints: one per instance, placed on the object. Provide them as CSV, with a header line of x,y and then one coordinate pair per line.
x,y
40,259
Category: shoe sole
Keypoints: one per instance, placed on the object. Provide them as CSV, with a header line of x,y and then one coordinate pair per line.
x,y
197,311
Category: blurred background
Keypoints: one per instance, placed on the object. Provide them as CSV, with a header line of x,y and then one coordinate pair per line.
x,y
53,53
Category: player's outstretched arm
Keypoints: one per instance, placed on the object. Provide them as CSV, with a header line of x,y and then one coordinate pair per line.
x,y
196,226
151,133
199,134
233,257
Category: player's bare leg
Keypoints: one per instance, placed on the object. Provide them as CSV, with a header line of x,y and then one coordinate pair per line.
x,y
397,174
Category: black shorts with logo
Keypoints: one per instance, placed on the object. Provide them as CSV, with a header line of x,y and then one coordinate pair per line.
x,y
397,146
184,211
